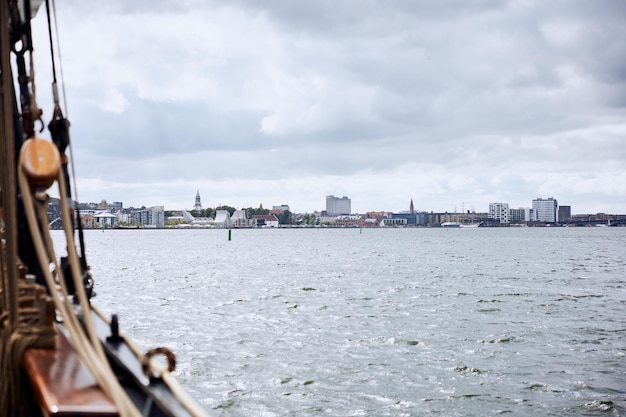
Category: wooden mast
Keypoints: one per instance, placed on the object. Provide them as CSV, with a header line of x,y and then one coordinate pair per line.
x,y
7,155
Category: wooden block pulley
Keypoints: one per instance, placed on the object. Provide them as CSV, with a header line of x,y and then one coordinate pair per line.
x,y
40,161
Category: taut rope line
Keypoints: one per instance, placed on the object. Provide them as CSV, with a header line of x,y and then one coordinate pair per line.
x,y
92,354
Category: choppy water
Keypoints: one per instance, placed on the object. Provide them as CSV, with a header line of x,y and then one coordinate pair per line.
x,y
385,322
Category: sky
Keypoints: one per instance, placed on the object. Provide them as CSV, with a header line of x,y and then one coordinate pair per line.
x,y
453,104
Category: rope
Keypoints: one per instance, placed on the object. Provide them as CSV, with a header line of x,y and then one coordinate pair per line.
x,y
15,344
65,106
33,329
20,321
54,70
166,376
92,354
36,111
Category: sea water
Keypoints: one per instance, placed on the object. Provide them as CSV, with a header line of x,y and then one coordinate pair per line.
x,y
378,322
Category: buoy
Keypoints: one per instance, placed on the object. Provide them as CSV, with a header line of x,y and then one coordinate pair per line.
x,y
229,234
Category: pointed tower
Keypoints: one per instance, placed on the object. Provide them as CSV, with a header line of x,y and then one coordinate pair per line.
x,y
198,205
411,208
261,206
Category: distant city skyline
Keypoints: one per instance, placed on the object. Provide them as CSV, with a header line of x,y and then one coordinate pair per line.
x,y
197,201
544,212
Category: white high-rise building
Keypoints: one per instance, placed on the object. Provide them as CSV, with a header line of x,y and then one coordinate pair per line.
x,y
337,206
545,209
500,212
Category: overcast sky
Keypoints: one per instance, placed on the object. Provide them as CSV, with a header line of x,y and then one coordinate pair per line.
x,y
454,104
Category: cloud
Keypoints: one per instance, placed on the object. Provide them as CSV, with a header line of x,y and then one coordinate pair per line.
x,y
455,103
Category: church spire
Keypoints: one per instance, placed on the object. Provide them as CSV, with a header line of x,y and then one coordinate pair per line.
x,y
411,208
198,205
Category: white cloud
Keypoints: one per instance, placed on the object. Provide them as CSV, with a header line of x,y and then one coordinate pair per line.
x,y
284,102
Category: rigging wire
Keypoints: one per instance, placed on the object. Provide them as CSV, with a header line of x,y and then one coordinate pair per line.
x,y
58,114
62,79
54,70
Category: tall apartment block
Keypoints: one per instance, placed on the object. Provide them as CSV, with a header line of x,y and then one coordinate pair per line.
x,y
337,206
521,215
500,212
545,209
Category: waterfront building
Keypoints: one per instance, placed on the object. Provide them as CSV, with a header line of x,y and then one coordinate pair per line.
x,y
104,219
436,219
94,218
394,221
326,220
517,215
150,218
520,215
338,206
123,216
411,218
379,216
354,220
239,219
598,219
264,220
545,210
187,217
222,219
564,214
499,212
371,222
